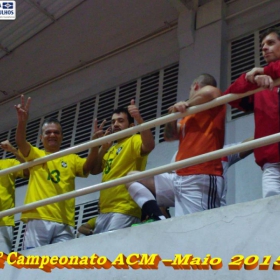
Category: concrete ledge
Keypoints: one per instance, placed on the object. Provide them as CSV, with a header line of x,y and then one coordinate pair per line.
x,y
246,229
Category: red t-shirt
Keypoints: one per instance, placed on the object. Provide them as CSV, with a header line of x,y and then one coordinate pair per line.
x,y
266,106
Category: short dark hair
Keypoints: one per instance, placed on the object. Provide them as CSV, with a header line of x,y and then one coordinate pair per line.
x,y
268,31
52,120
125,111
205,79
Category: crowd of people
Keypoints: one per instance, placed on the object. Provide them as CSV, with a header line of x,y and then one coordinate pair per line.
x,y
190,189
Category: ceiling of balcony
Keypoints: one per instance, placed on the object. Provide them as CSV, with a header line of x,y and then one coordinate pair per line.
x,y
50,38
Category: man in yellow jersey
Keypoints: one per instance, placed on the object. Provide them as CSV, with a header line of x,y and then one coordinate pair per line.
x,y
54,222
7,195
117,208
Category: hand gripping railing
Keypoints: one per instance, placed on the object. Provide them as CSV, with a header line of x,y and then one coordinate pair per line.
x,y
148,173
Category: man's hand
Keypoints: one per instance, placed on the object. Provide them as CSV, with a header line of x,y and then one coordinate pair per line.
x,y
7,146
256,76
148,142
180,106
134,112
93,163
250,76
23,109
264,81
99,132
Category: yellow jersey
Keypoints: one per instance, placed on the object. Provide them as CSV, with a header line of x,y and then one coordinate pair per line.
x,y
49,179
121,158
91,222
7,190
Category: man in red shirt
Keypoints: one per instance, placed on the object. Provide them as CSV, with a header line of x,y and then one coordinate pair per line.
x,y
266,108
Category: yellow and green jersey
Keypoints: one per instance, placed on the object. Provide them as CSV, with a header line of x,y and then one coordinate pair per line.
x,y
91,222
123,157
7,190
49,179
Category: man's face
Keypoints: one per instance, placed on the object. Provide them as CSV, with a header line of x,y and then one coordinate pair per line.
x,y
51,137
119,122
271,47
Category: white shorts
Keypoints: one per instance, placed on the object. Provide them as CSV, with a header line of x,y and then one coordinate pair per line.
x,y
112,221
192,193
164,186
41,232
6,238
271,179
224,194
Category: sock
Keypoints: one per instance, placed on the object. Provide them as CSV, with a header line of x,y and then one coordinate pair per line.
x,y
145,200
153,211
140,194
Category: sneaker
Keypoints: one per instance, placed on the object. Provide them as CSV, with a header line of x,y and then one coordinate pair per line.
x,y
144,222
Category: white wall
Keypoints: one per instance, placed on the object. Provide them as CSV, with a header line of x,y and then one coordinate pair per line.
x,y
240,229
140,60
244,17
203,56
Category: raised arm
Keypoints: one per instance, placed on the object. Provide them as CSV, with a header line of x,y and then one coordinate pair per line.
x,y
93,164
201,95
7,146
171,129
148,142
22,114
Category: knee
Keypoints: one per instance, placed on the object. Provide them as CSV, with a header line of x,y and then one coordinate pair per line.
x,y
127,185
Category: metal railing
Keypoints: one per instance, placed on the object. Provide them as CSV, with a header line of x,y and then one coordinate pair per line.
x,y
148,173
